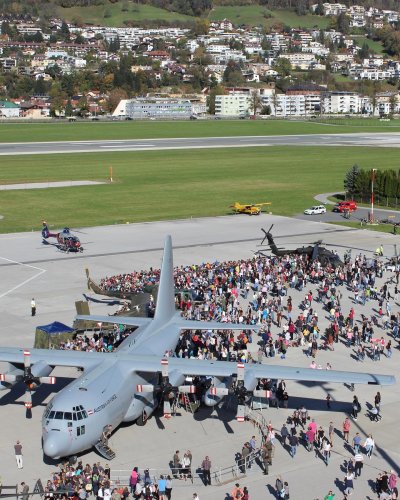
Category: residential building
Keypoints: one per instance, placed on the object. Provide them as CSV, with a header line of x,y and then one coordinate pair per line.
x,y
9,109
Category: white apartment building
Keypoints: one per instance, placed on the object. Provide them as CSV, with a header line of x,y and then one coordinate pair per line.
x,y
302,60
237,104
341,102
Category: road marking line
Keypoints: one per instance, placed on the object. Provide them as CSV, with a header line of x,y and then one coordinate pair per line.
x,y
41,271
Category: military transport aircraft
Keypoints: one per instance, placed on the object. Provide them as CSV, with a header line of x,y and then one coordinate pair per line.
x,y
128,384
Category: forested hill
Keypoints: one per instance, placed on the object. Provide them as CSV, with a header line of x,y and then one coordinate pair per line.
x,y
188,7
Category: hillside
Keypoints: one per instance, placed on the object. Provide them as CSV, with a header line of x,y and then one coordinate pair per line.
x,y
294,13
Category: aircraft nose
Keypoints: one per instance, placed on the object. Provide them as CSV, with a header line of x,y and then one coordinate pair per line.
x,y
52,447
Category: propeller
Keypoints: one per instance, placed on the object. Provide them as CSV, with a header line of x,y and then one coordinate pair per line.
x,y
241,392
266,233
165,388
30,380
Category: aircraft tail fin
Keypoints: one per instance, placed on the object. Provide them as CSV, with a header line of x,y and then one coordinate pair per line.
x,y
165,308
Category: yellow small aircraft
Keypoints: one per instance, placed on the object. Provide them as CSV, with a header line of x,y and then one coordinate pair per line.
x,y
253,209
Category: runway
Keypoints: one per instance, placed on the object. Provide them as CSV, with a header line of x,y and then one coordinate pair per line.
x,y
360,139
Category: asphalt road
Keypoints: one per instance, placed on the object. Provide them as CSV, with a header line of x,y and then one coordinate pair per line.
x,y
359,139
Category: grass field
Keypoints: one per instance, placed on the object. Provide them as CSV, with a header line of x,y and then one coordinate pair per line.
x,y
382,228
64,131
252,15
377,47
116,17
158,185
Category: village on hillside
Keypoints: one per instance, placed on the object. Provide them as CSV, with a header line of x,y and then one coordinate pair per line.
x,y
65,70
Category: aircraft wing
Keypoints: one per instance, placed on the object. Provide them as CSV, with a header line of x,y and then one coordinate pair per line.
x,y
255,371
78,359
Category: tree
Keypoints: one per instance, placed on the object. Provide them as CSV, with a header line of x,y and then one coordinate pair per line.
x,y
319,9
255,101
283,66
64,31
217,90
266,110
343,23
114,97
350,181
68,108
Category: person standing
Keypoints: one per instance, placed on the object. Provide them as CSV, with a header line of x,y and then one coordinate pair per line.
x,y
284,434
331,432
168,487
176,463
33,307
346,429
25,491
206,467
18,455
356,407
326,450
162,484
330,495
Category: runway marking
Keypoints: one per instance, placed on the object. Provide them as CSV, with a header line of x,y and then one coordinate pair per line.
x,y
126,145
41,271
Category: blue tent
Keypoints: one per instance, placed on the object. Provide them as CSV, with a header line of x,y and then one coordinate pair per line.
x,y
52,335
55,327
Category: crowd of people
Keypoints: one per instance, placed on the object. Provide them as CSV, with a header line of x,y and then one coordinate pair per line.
x,y
261,291
103,340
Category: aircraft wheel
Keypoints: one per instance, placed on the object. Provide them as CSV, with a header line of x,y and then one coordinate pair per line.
x,y
142,420
72,459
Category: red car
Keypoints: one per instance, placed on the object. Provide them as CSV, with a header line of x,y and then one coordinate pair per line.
x,y
345,206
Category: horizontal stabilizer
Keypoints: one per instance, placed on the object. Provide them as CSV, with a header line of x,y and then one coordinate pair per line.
x,y
119,320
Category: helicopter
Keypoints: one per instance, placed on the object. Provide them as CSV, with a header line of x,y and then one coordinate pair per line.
x,y
250,209
314,251
66,241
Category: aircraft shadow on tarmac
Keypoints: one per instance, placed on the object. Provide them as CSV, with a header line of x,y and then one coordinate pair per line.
x,y
38,396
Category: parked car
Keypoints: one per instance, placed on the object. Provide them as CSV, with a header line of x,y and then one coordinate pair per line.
x,y
345,206
317,209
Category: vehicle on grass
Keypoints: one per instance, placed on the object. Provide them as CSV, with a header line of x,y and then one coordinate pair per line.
x,y
315,210
252,209
345,207
66,241
130,384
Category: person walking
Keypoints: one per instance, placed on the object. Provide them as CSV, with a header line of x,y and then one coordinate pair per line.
x,y
293,441
326,451
349,484
18,455
356,443
206,468
33,307
369,445
284,434
358,464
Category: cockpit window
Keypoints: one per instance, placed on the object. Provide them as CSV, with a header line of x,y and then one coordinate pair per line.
x,y
78,413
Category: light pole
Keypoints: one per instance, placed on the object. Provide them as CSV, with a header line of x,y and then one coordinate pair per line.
x,y
372,220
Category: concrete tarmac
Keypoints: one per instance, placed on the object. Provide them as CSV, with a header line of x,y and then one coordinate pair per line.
x,y
386,139
56,280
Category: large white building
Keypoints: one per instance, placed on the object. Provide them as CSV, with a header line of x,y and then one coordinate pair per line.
x,y
154,107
